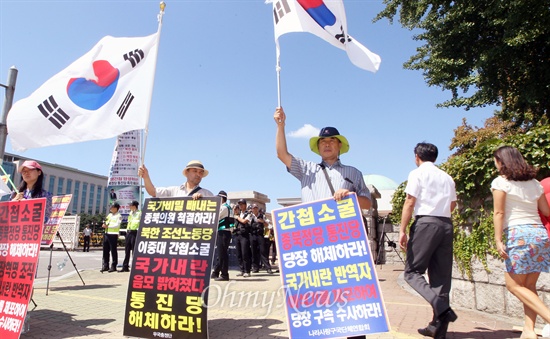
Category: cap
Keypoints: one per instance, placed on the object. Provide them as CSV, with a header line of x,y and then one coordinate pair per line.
x,y
116,205
222,194
329,132
30,164
195,164
241,201
254,206
134,203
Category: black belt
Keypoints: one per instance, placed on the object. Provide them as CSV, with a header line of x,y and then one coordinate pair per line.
x,y
431,216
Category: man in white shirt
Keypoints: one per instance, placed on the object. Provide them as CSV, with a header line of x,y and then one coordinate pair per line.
x,y
194,172
431,195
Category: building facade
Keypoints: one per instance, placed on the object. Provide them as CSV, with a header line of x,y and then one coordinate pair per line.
x,y
89,190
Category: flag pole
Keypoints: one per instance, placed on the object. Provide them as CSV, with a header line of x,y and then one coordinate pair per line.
x,y
278,69
146,130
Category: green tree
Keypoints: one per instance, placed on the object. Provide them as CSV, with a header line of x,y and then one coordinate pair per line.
x,y
89,219
483,52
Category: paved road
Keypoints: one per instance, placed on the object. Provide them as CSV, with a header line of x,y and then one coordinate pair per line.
x,y
239,308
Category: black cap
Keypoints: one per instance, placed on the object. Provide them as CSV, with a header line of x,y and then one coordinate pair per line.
x,y
241,201
116,205
134,203
222,194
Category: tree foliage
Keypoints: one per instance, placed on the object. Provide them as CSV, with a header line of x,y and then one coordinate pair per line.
x,y
89,219
483,52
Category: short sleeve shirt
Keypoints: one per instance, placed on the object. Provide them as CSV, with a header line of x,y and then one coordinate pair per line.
x,y
315,185
179,191
433,189
521,206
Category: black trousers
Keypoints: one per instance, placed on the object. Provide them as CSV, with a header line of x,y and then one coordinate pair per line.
x,y
222,259
86,243
430,248
259,251
129,248
242,244
110,246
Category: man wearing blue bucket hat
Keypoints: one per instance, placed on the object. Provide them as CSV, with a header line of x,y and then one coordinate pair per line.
x,y
329,177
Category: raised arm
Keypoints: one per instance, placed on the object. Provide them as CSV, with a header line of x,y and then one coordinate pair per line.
x,y
280,138
149,187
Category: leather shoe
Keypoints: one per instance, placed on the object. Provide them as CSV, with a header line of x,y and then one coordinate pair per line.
x,y
443,324
428,331
221,279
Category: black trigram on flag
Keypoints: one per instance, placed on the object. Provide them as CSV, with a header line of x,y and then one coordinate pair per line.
x,y
121,112
51,111
280,9
134,57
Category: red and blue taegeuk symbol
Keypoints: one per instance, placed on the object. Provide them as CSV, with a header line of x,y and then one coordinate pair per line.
x,y
93,94
319,12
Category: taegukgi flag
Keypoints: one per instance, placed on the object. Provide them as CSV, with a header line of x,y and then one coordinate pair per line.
x,y
101,95
327,20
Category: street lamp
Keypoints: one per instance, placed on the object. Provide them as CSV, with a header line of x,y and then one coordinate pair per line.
x,y
10,90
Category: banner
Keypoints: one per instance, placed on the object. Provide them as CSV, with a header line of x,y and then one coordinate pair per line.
x,y
170,273
125,160
60,203
104,93
327,270
20,231
123,183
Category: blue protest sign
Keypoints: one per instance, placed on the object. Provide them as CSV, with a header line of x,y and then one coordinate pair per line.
x,y
331,287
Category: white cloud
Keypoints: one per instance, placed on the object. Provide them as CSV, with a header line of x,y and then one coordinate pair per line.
x,y
305,132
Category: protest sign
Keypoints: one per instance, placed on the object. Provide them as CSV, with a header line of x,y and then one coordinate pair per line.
x,y
60,203
327,270
20,232
170,273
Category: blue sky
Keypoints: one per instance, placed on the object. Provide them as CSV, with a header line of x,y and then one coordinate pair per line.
x,y
216,88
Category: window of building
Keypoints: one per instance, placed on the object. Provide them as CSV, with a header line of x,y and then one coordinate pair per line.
x,y
60,183
98,199
69,188
83,208
51,187
75,196
91,199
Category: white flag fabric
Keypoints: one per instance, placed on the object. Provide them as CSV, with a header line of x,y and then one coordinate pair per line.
x,y
4,189
327,20
104,93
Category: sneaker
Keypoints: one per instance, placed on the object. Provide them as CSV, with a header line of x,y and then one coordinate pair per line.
x,y
246,275
546,331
